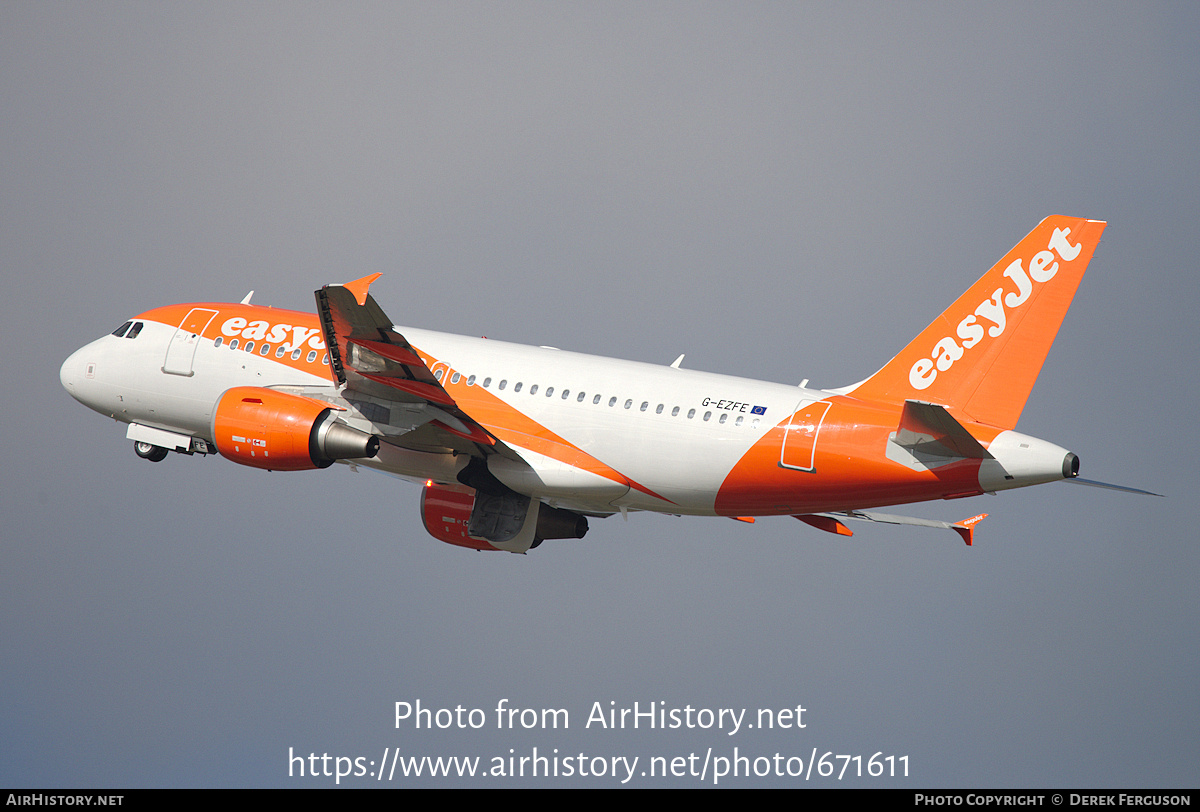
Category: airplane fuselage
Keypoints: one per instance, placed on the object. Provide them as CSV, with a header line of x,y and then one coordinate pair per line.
x,y
600,434
517,444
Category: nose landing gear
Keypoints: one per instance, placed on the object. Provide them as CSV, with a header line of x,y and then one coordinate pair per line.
x,y
149,451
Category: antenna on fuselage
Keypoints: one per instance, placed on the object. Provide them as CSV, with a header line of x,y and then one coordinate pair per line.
x,y
247,299
675,364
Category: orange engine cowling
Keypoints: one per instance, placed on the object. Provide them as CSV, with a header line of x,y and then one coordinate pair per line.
x,y
445,510
278,431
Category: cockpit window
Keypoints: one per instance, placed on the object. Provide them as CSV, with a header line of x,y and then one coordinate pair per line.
x,y
120,331
134,330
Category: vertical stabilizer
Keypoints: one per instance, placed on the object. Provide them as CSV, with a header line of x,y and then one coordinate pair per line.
x,y
983,354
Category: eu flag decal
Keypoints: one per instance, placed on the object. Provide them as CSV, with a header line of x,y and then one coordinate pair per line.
x,y
759,410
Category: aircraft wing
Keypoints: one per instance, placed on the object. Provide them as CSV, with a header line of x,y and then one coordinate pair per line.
x,y
831,522
368,356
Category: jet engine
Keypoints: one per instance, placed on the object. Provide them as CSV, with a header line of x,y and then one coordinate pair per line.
x,y
278,431
510,522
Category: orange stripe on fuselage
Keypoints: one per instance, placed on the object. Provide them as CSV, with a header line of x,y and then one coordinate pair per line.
x,y
277,326
513,426
850,468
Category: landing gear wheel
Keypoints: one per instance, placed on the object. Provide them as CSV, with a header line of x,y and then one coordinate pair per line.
x,y
150,452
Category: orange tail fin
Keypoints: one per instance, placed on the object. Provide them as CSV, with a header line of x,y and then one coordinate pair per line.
x,y
983,354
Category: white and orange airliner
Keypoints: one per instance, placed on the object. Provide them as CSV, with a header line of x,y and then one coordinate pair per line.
x,y
518,444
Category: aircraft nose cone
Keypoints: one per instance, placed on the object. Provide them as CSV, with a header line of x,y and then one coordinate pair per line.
x,y
73,375
69,371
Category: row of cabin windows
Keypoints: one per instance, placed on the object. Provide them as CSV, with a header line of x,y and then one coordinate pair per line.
x,y
580,397
280,351
265,349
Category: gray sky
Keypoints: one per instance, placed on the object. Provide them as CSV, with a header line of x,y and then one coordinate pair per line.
x,y
782,191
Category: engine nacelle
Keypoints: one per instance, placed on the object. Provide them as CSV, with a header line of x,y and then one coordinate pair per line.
x,y
447,511
278,431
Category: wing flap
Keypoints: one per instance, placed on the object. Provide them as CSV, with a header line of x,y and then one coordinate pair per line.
x,y
418,389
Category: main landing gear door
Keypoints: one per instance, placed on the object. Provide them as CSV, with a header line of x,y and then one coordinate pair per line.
x,y
800,437
182,348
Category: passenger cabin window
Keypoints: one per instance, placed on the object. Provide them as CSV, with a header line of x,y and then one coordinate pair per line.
x,y
595,400
579,398
612,402
249,346
503,383
549,391
532,389
487,382
455,378
517,387
220,340
266,348
233,345
279,352
296,354
312,355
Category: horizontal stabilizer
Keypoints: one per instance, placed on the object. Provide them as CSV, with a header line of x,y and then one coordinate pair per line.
x,y
965,528
931,429
1093,483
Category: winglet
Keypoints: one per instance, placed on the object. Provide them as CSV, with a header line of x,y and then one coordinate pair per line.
x,y
360,287
966,528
